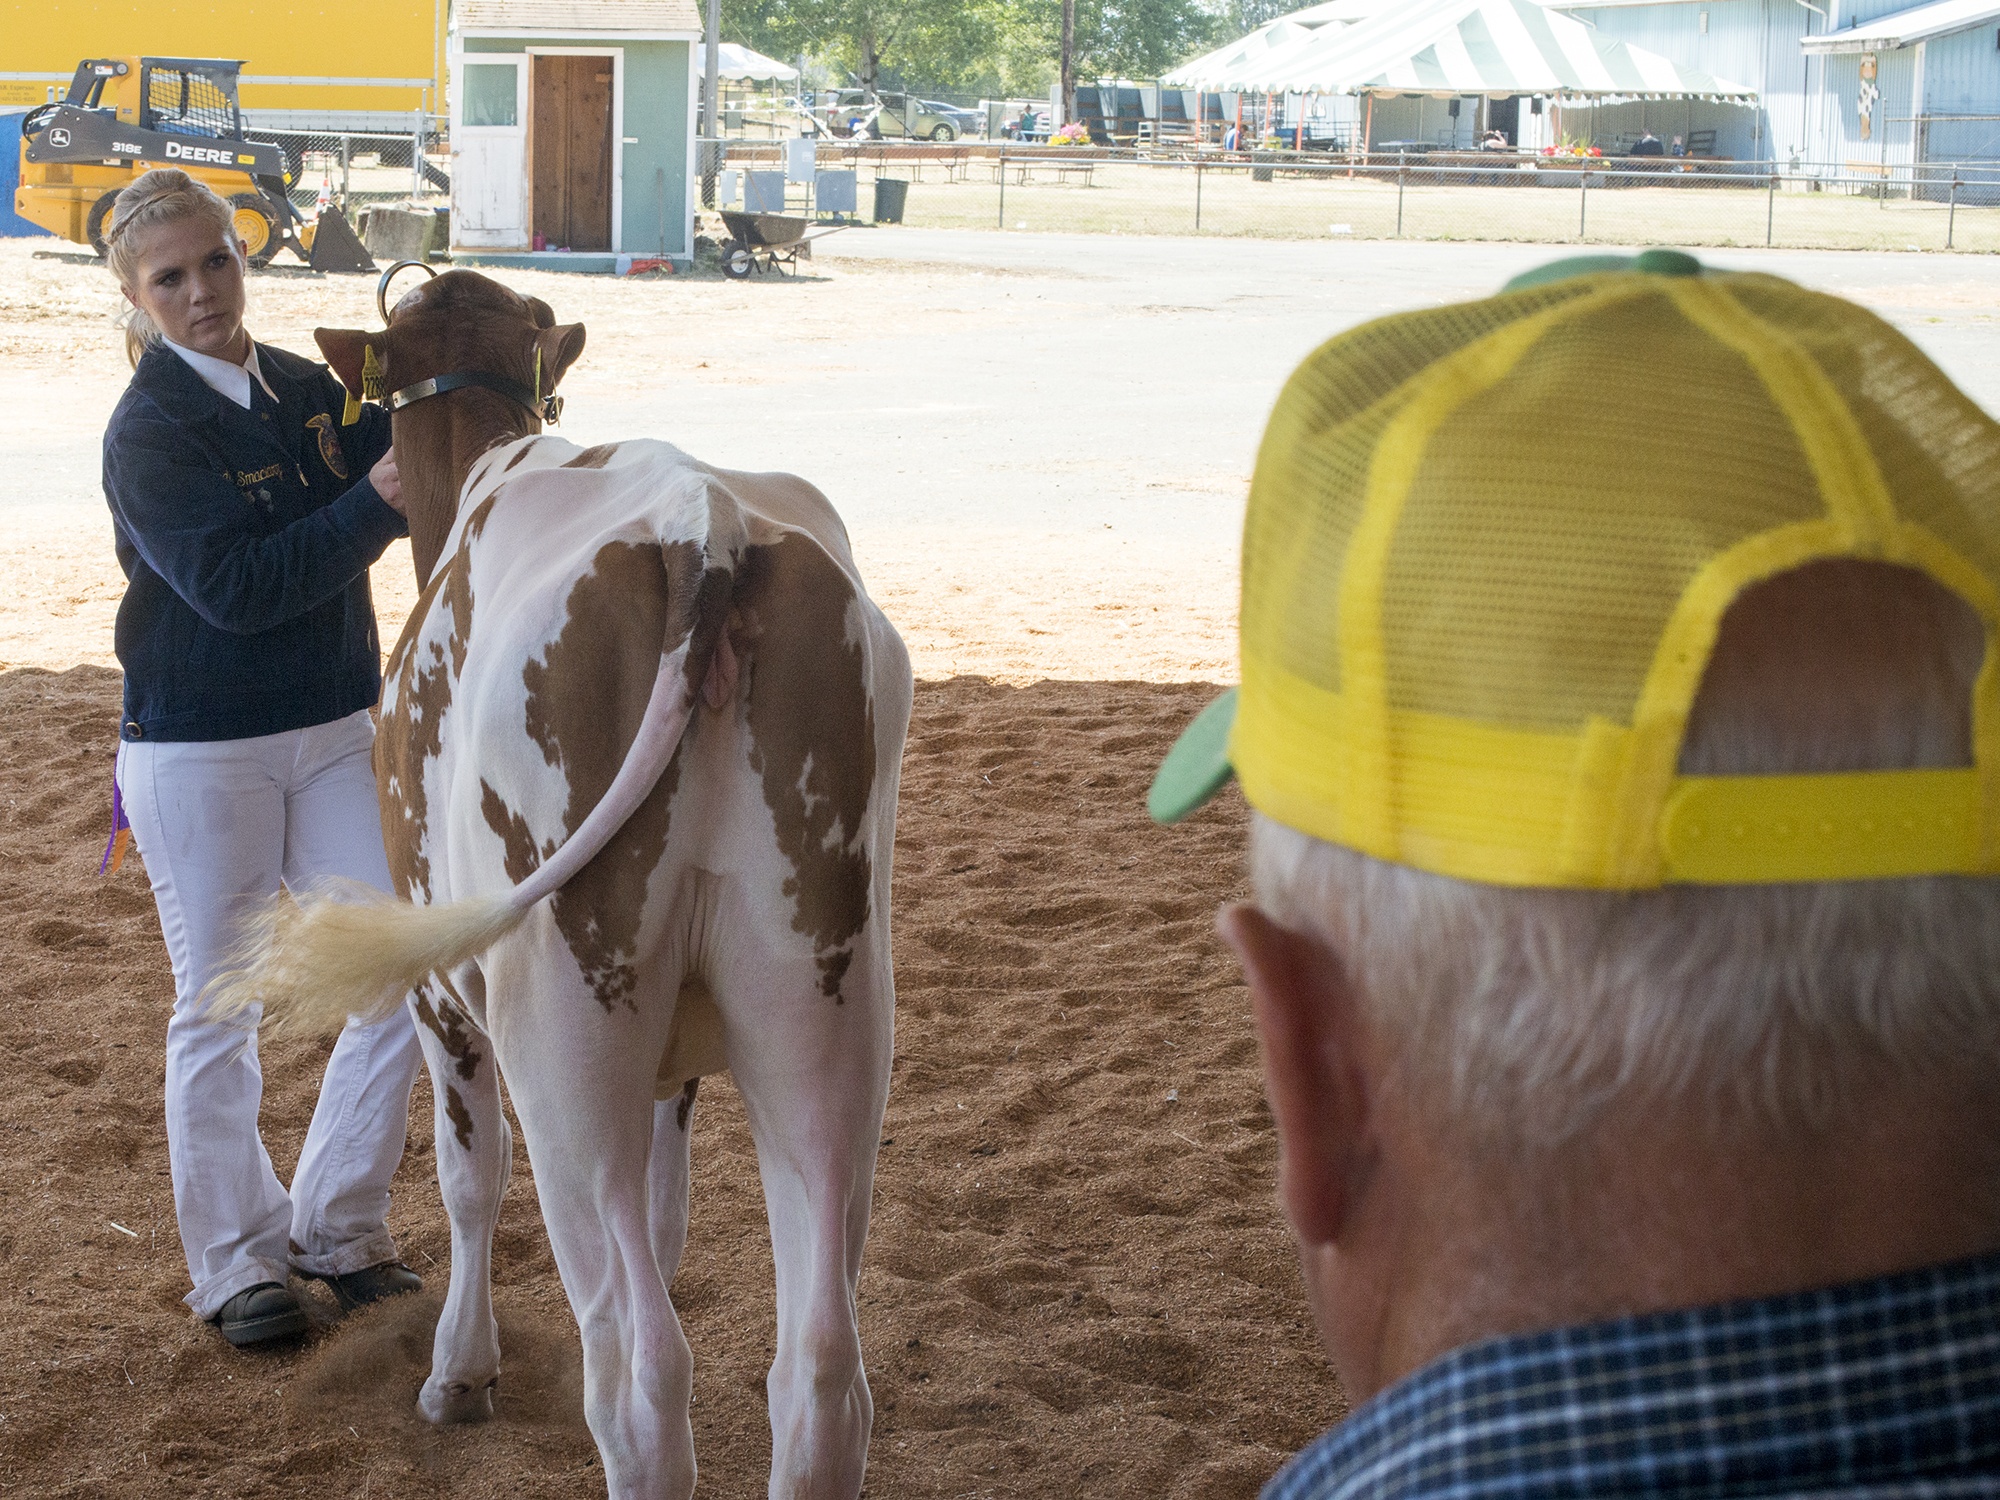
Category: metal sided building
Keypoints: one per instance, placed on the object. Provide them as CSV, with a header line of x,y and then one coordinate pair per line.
x,y
572,125
1850,84
312,65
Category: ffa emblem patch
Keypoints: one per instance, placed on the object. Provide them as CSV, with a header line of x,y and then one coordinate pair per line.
x,y
329,444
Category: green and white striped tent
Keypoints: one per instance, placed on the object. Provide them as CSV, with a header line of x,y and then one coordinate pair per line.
x,y
1456,48
1273,37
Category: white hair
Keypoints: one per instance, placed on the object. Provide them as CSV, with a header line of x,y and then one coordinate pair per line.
x,y
1521,1016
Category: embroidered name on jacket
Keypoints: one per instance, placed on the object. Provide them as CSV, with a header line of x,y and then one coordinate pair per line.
x,y
246,480
329,444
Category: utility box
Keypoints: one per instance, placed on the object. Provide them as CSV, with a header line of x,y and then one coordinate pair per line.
x,y
837,192
801,158
764,192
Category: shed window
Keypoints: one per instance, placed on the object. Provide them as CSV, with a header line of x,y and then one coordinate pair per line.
x,y
490,90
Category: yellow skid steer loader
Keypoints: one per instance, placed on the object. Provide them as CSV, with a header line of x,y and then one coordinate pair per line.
x,y
126,115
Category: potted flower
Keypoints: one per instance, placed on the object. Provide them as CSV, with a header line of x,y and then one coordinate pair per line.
x,y
1071,135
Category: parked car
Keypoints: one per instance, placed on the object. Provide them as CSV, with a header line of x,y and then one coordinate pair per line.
x,y
891,115
968,121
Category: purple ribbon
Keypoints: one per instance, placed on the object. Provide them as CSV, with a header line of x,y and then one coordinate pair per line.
x,y
121,831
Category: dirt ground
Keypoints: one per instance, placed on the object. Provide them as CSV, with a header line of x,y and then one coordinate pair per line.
x,y
1077,1283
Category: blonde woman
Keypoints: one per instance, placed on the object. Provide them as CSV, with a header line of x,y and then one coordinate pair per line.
x,y
246,517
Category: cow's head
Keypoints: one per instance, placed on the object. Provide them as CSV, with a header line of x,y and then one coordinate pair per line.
x,y
459,324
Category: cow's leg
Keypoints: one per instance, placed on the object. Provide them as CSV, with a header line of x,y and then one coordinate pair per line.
x,y
814,1080
582,1076
475,1153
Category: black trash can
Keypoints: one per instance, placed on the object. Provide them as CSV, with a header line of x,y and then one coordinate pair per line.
x,y
1260,165
890,195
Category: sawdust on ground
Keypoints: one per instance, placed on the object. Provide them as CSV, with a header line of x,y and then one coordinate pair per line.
x,y
1077,1283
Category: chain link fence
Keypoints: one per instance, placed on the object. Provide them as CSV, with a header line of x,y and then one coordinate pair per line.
x,y
354,169
1455,196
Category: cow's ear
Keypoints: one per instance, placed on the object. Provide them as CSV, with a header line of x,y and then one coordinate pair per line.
x,y
545,316
346,349
560,346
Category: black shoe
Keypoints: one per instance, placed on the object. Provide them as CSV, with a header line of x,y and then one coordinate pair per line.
x,y
259,1314
370,1284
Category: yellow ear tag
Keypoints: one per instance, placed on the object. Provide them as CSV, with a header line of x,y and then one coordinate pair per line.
x,y
351,413
371,375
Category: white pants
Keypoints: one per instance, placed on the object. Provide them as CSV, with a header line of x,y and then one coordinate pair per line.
x,y
219,825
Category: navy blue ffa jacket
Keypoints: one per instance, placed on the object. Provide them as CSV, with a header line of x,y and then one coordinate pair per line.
x,y
245,537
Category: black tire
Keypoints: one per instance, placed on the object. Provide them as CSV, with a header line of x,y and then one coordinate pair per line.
x,y
259,245
737,262
944,132
95,221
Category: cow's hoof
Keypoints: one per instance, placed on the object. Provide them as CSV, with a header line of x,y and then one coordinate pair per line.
x,y
455,1401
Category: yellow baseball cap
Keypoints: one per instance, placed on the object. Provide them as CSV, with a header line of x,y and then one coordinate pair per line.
x,y
1489,546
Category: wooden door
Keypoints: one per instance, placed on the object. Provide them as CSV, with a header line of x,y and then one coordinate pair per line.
x,y
571,134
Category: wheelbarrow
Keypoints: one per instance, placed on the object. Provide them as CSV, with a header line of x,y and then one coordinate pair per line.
x,y
768,242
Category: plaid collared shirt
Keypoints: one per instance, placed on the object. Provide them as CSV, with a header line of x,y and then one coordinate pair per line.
x,y
1883,1388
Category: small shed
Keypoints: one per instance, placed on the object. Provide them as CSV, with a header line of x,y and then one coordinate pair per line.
x,y
572,132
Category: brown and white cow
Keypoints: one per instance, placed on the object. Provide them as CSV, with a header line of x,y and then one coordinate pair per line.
x,y
638,761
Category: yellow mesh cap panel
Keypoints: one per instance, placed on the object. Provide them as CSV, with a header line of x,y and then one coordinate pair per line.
x,y
1558,519
1488,547
1939,456
1318,449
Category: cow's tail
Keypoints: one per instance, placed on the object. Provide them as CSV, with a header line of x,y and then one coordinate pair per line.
x,y
348,950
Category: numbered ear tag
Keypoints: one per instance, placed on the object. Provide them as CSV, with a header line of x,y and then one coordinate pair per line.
x,y
351,413
371,375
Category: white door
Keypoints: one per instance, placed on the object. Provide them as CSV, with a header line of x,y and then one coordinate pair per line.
x,y
489,190
489,177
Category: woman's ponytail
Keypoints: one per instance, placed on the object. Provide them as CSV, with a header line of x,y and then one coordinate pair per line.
x,y
165,195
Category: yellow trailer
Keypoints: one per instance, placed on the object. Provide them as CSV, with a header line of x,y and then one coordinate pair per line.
x,y
308,65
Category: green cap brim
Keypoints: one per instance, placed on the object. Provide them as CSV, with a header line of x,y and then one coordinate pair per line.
x,y
1656,262
1198,765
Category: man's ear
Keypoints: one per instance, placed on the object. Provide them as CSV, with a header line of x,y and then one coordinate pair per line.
x,y
1309,1032
560,346
345,350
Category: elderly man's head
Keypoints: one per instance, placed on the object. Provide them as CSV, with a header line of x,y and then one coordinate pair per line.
x,y
1656,1046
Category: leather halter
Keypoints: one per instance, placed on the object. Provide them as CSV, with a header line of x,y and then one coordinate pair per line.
x,y
543,408
546,408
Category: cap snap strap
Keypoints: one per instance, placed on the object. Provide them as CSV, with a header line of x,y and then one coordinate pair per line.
x,y
1860,825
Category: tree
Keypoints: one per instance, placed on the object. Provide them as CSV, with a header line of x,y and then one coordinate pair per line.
x,y
1114,38
1241,17
935,42
1066,69
988,46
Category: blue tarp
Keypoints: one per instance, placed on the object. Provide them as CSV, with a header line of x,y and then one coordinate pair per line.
x,y
11,223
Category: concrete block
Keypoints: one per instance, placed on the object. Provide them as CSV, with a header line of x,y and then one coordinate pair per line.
x,y
404,233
